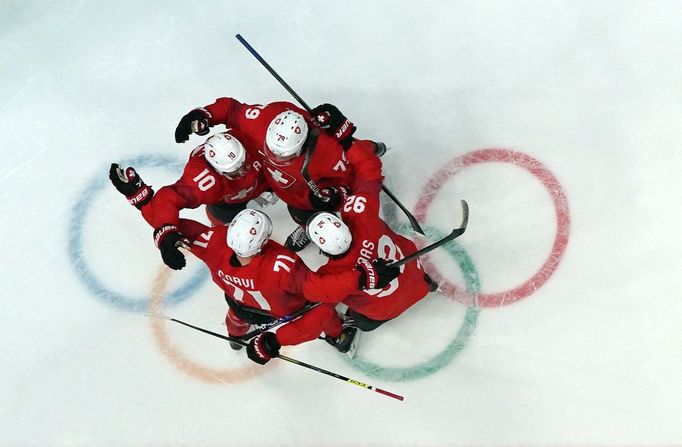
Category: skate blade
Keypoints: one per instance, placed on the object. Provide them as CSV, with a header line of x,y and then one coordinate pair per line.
x,y
354,345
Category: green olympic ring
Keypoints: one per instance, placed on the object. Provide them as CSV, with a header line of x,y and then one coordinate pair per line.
x,y
440,360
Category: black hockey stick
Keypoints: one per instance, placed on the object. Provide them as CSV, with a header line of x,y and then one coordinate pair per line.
x,y
278,321
287,359
310,143
457,232
413,221
272,71
311,184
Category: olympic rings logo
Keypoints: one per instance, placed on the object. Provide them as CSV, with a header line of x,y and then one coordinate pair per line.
x,y
555,190
470,295
76,251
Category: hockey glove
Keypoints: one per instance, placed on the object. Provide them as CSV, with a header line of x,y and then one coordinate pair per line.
x,y
331,199
263,347
196,121
129,183
166,238
329,118
376,274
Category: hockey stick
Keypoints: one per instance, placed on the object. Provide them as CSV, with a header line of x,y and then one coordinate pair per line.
x,y
457,232
310,143
272,71
413,221
277,322
311,184
287,359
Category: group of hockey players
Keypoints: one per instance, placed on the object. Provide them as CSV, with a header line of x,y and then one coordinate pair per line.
x,y
330,182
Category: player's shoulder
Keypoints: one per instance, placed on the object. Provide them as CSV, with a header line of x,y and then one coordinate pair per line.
x,y
328,146
218,235
359,205
274,249
198,156
282,259
282,106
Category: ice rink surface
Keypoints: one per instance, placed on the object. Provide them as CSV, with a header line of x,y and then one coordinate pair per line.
x,y
559,321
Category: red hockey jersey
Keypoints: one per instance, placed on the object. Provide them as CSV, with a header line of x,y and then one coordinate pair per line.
x,y
328,166
272,282
200,184
337,281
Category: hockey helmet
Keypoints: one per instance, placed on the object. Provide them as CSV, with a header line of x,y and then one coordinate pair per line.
x,y
225,154
248,232
285,136
329,233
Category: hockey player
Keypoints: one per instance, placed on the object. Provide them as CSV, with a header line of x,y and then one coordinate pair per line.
x,y
290,139
221,173
261,280
373,292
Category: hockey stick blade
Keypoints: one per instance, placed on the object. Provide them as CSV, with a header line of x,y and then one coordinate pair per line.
x,y
457,232
413,221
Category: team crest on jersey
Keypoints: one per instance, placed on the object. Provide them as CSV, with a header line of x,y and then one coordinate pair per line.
x,y
243,194
283,179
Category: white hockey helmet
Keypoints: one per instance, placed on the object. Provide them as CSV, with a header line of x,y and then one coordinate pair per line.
x,y
329,233
286,135
248,232
225,153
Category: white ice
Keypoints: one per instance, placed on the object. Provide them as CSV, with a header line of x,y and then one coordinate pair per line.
x,y
592,90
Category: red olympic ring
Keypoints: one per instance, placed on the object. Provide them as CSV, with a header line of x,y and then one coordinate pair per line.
x,y
555,190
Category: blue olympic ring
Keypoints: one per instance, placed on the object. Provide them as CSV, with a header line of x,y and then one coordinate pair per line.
x,y
79,262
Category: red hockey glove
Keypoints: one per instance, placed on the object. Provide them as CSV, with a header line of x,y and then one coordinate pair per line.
x,y
166,238
263,347
196,121
130,184
329,118
331,199
376,274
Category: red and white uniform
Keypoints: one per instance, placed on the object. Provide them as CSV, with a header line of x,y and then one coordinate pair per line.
x,y
328,166
200,184
271,282
337,281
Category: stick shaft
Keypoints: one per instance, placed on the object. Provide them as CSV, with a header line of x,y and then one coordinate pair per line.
x,y
278,321
311,183
294,361
457,232
272,71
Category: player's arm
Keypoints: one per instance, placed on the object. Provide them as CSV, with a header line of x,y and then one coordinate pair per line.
x,y
189,234
198,185
227,111
366,166
165,207
330,287
199,236
335,287
289,272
